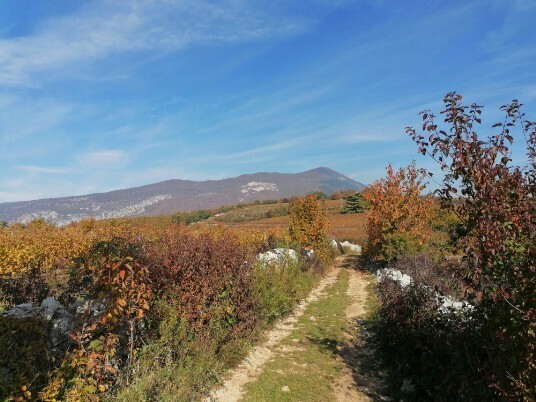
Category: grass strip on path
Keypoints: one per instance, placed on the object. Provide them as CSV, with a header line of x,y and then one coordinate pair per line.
x,y
305,363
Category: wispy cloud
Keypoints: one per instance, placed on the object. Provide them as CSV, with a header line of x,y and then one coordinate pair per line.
x,y
202,89
29,117
43,169
263,150
104,28
104,159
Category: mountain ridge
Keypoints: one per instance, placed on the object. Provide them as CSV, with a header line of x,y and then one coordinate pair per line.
x,y
176,195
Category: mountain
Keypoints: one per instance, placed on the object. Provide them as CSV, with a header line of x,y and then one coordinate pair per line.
x,y
171,196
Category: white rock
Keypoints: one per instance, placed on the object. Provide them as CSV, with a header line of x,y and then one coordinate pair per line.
x,y
356,248
278,255
256,186
394,274
449,305
446,304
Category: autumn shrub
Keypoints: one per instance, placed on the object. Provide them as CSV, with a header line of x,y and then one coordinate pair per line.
x,y
444,227
25,287
340,195
497,230
437,352
202,273
115,275
162,306
399,216
308,225
24,359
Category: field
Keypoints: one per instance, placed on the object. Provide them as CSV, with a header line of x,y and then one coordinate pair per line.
x,y
349,227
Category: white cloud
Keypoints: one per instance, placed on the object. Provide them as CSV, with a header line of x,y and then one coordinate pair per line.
x,y
42,169
103,159
106,28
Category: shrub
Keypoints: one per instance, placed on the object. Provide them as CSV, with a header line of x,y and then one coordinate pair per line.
x,y
339,195
319,195
24,287
308,225
24,360
497,223
115,273
439,353
399,217
187,218
200,274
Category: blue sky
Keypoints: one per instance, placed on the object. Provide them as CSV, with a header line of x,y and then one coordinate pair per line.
x,y
101,95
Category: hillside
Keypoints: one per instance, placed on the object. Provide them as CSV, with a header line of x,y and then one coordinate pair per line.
x,y
177,195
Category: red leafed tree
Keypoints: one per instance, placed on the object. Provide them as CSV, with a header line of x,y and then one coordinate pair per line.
x,y
497,231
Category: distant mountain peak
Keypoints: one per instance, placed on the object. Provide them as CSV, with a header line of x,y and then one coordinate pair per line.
x,y
175,195
324,170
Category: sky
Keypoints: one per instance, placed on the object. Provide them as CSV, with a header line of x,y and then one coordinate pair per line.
x,y
102,95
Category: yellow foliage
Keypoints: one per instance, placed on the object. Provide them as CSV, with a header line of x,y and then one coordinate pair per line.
x,y
308,225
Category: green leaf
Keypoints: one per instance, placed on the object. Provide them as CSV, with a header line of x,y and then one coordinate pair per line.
x,y
90,389
96,345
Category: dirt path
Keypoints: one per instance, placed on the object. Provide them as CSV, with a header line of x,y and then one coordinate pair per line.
x,y
324,346
360,379
249,370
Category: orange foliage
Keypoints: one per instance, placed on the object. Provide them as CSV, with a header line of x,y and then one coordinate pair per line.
x,y
308,225
399,217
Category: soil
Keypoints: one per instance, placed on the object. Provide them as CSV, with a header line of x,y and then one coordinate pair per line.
x,y
361,378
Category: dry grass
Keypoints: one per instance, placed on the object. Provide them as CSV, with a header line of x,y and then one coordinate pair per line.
x,y
252,213
349,227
